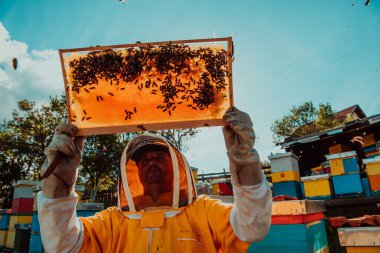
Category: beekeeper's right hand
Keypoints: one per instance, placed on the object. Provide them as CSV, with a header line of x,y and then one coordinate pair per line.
x,y
64,142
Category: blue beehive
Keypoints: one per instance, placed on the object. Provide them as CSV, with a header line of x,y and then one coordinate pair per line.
x,y
35,223
366,187
347,185
86,213
4,221
350,165
289,188
35,245
295,238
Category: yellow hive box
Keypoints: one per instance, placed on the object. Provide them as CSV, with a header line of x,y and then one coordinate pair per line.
x,y
363,249
194,171
336,162
10,239
215,189
19,219
285,176
317,185
3,237
336,166
373,170
372,165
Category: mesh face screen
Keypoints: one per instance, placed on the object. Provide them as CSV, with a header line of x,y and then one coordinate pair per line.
x,y
147,87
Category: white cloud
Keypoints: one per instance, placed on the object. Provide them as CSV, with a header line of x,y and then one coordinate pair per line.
x,y
37,76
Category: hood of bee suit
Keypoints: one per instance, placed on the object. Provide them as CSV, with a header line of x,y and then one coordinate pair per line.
x,y
130,189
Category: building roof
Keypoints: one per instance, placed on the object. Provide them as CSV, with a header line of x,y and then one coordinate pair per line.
x,y
350,111
348,127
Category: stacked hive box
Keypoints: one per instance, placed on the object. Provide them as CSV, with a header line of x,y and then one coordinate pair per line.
x,y
297,226
345,174
317,187
22,208
285,175
23,197
369,146
360,239
372,167
35,245
222,188
4,224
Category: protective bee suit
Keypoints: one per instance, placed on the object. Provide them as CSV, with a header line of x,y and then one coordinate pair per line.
x,y
178,221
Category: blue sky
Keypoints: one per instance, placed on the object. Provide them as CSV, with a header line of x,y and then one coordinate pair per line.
x,y
287,52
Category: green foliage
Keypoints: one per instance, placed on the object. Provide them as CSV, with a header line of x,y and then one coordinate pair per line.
x,y
24,137
305,119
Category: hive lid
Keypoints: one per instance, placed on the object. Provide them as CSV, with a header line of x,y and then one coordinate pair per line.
x,y
296,207
282,155
26,183
359,236
89,206
341,155
375,159
315,177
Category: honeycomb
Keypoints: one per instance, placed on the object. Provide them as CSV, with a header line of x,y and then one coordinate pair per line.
x,y
130,88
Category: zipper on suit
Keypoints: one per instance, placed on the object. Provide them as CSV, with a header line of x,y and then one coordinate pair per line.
x,y
150,237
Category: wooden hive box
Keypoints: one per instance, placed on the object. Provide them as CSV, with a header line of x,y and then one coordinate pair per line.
x,y
360,239
288,188
317,186
348,185
4,221
285,176
284,162
3,238
297,207
35,245
19,219
148,86
296,238
10,239
372,167
342,163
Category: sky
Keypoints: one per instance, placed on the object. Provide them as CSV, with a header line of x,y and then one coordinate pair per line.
x,y
286,52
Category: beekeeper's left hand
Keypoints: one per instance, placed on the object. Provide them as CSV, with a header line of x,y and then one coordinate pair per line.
x,y
239,138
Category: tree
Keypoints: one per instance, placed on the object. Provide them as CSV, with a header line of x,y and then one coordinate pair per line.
x,y
305,119
23,139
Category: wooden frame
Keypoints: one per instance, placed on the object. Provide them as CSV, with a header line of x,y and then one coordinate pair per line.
x,y
184,123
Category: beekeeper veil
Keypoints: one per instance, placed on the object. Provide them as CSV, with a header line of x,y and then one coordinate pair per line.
x,y
130,188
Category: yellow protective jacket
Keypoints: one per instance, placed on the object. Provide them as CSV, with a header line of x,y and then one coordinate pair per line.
x,y
180,221
203,226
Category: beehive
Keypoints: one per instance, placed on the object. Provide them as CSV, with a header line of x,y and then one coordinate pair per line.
x,y
317,186
148,86
347,185
360,239
284,162
342,163
372,167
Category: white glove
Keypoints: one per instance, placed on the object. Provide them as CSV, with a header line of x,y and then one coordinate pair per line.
x,y
64,142
240,138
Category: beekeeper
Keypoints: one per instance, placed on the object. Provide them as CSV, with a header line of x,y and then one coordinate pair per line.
x,y
158,208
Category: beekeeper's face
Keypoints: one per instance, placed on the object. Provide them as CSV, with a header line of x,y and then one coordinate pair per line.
x,y
155,168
